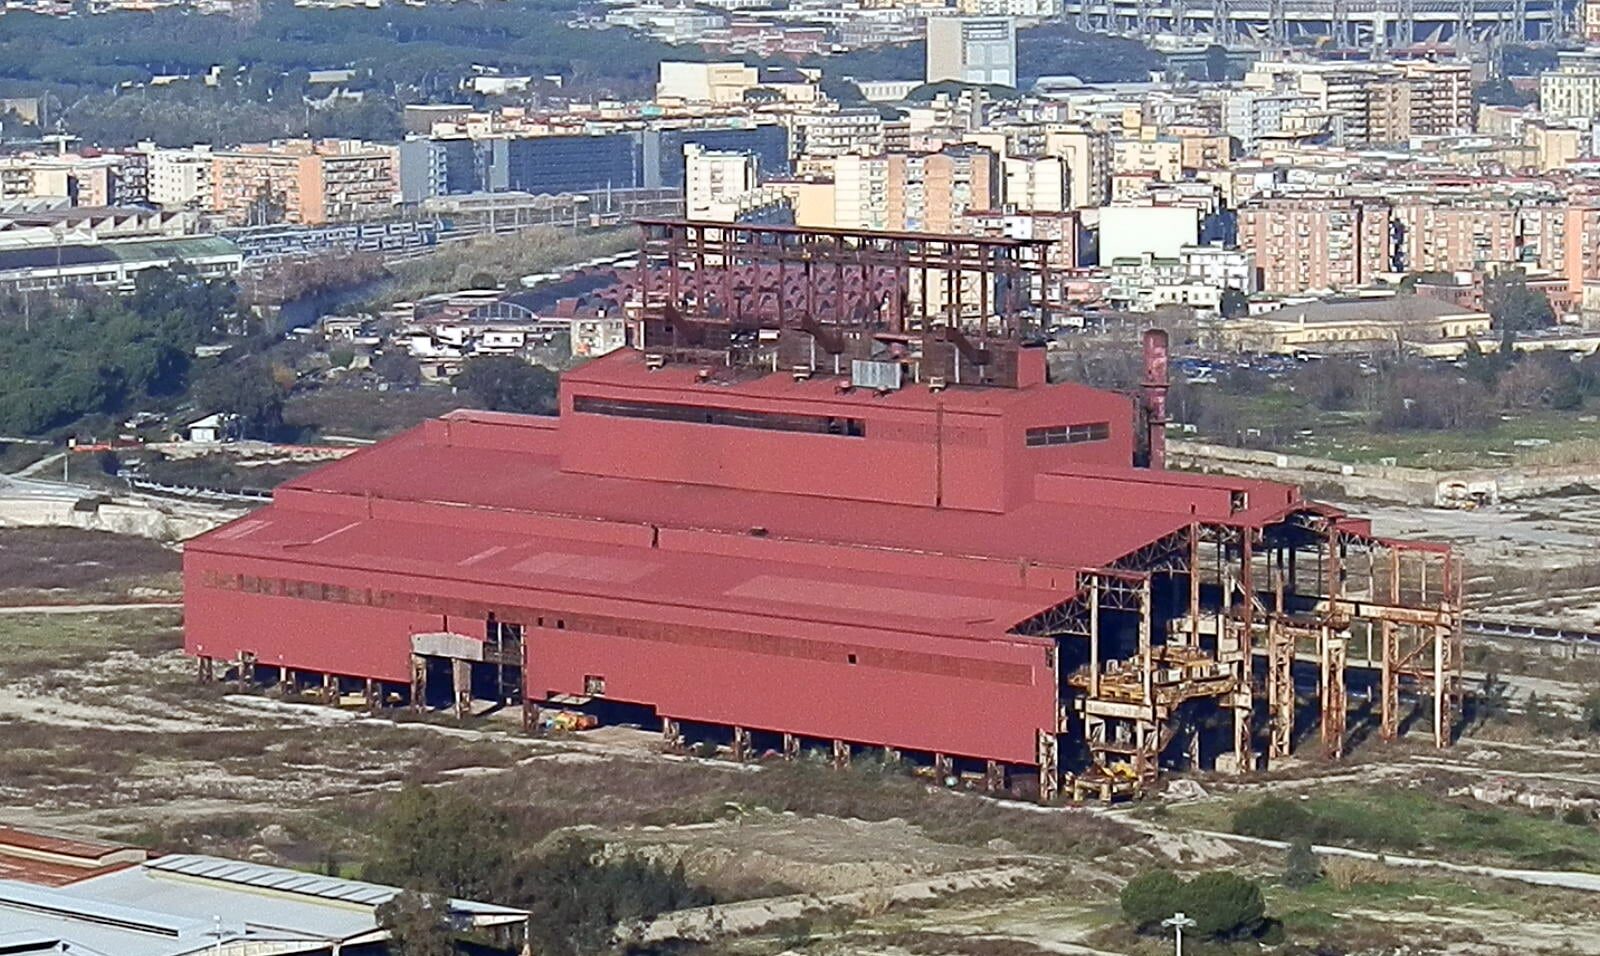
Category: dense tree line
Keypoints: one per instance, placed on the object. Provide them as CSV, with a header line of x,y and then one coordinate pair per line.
x,y
96,69
402,54
92,352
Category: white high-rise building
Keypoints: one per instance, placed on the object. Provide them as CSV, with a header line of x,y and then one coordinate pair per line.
x,y
972,50
179,178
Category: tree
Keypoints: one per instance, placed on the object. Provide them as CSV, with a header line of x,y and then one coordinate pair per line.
x,y
1234,304
509,384
418,925
252,389
1151,897
577,897
1301,867
443,842
1515,307
397,367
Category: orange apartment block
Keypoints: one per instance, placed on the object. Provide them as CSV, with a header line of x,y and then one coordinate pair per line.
x,y
1458,236
1315,242
304,182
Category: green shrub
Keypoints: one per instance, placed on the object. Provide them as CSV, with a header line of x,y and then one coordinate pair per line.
x,y
1222,904
1301,868
1273,818
1150,898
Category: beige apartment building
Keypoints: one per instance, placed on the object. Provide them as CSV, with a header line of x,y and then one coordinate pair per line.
x,y
1087,153
1326,242
1572,89
301,181
914,192
1455,236
1378,104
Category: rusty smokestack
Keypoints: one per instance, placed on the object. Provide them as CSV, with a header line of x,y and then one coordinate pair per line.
x,y
1155,395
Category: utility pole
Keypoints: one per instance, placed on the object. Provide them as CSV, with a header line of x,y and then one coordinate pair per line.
x,y
1179,923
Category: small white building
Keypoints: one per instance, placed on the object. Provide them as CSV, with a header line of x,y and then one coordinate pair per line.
x,y
215,429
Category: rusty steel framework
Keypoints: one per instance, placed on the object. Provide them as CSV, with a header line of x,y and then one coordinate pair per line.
x,y
1239,597
771,297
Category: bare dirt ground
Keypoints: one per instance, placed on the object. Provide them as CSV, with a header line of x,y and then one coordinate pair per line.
x,y
41,565
1533,558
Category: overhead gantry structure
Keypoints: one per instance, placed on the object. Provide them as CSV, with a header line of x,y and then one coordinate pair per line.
x,y
1210,647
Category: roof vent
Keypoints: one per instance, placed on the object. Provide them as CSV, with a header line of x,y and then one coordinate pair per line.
x,y
654,360
802,373
936,383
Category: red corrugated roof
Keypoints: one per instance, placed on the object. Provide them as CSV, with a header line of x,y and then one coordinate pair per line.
x,y
409,469
689,579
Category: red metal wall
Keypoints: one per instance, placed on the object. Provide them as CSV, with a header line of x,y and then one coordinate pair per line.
x,y
956,455
967,697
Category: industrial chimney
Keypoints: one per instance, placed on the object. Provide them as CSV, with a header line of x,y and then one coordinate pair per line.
x,y
1155,395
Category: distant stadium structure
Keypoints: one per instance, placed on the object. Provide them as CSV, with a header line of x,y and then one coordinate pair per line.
x,y
1356,23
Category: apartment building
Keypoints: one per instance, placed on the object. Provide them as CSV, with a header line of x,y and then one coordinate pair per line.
x,y
1455,236
1063,229
1087,153
1582,246
1440,97
715,181
1572,89
179,178
1200,147
1373,103
914,192
1160,158
1248,115
859,132
1036,184
304,182
108,179
1325,242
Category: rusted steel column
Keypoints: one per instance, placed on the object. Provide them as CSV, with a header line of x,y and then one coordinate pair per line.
x,y
1049,766
419,682
841,754
1389,683
994,777
741,744
671,735
791,747
1335,704
205,671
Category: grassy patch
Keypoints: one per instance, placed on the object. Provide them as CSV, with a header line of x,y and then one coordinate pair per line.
x,y
1284,421
1405,821
32,644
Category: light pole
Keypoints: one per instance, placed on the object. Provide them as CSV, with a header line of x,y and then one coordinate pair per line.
x,y
1179,923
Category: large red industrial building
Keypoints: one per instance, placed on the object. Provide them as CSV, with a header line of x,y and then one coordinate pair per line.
x,y
784,524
